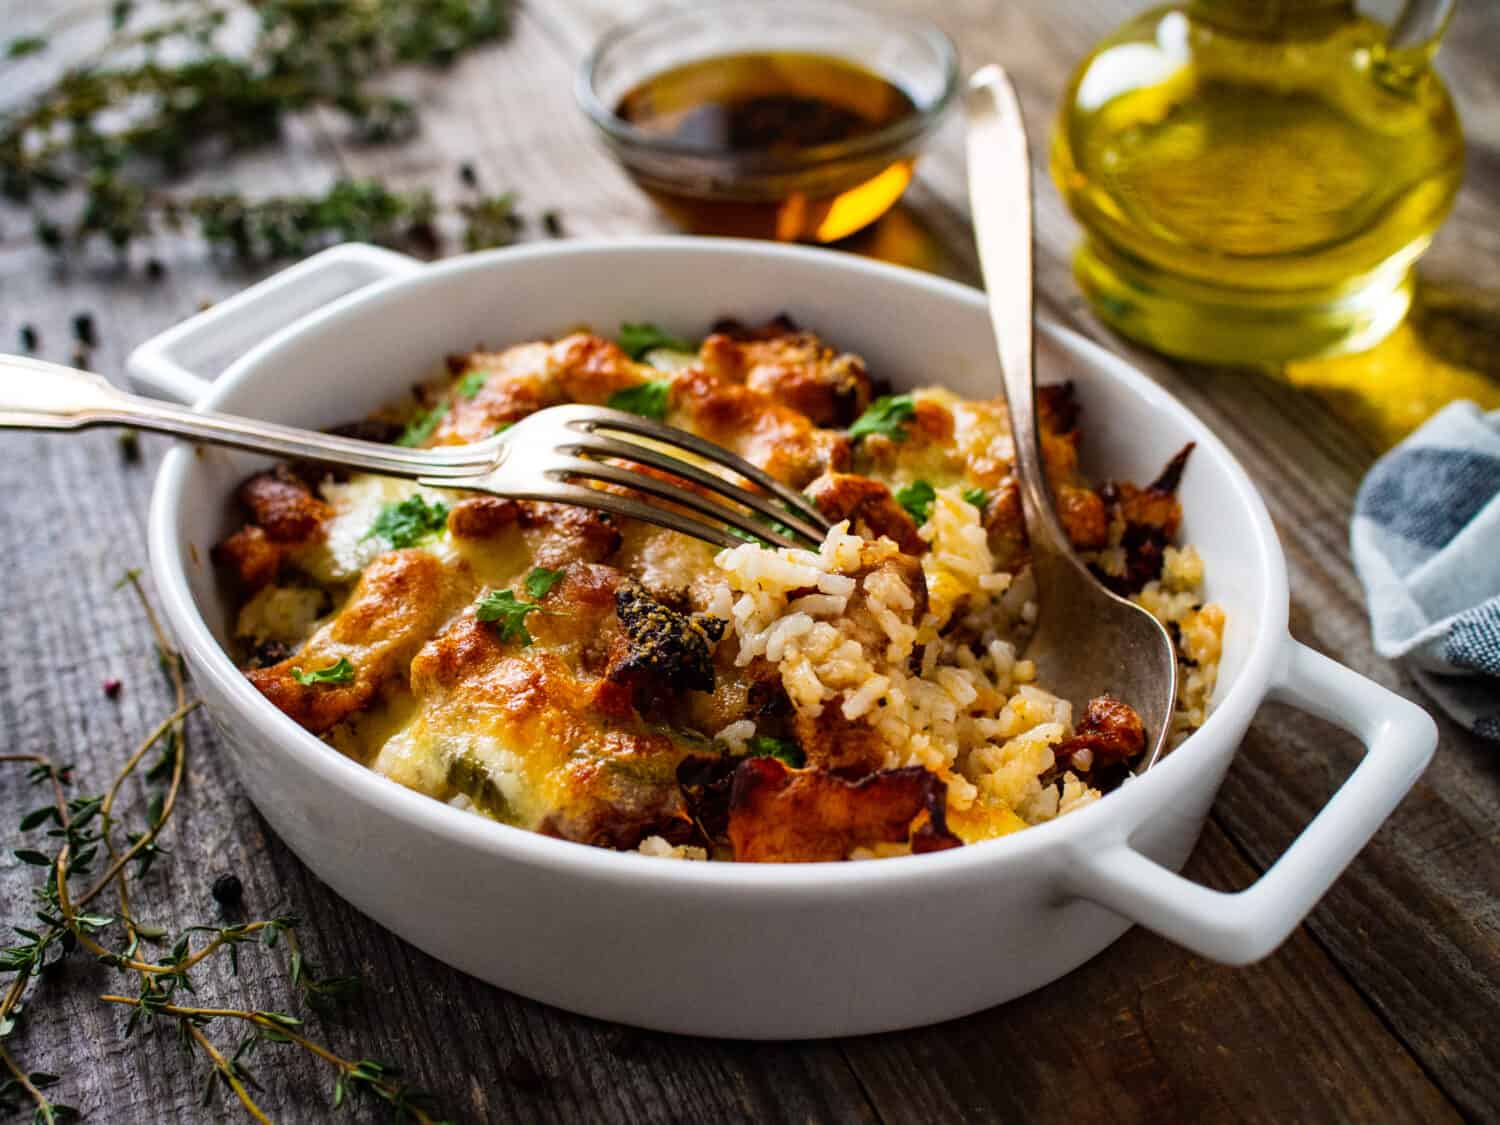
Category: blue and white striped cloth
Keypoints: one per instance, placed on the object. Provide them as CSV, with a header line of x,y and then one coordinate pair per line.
x,y
1426,542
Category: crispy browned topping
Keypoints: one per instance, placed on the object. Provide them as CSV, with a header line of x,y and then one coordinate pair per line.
x,y
1110,730
670,648
868,506
250,557
282,504
401,599
780,815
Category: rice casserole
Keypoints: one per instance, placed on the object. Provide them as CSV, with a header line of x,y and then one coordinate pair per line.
x,y
617,684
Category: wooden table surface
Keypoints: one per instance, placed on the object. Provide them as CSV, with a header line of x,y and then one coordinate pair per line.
x,y
1384,1006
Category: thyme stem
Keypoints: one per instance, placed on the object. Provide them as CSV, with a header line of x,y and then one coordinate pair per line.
x,y
221,1064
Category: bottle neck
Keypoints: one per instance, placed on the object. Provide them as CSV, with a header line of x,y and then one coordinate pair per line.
x,y
1274,19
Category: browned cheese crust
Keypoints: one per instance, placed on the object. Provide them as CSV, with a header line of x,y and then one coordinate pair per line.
x,y
602,698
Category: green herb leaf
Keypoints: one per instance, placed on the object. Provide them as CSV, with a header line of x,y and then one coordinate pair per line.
x,y
648,399
540,581
420,428
35,858
24,45
341,672
887,415
507,613
917,498
472,383
37,817
407,522
978,497
779,748
638,339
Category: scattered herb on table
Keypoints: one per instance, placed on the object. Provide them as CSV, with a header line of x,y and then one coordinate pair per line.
x,y
917,498
406,523
339,672
887,416
649,399
201,83
638,339
85,833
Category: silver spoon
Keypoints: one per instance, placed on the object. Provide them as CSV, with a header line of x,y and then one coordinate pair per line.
x,y
1088,641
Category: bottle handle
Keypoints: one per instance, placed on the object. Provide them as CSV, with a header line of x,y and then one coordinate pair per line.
x,y
1419,27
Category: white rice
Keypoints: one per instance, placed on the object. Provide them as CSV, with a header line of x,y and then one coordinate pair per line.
x,y
969,712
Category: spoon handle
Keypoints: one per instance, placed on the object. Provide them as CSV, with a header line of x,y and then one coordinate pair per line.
x,y
38,395
1000,198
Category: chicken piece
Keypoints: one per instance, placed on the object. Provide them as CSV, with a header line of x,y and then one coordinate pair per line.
x,y
400,600
869,506
780,815
1148,519
284,506
250,558
751,423
794,369
481,517
559,534
1110,734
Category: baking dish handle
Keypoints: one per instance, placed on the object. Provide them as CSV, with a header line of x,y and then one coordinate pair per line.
x,y
1241,927
182,362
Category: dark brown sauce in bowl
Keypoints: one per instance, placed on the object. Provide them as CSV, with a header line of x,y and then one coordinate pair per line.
x,y
770,144
765,102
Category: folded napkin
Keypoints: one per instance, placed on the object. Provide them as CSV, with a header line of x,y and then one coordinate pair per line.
x,y
1426,541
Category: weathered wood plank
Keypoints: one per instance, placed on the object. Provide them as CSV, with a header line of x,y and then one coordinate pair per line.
x,y
1145,1031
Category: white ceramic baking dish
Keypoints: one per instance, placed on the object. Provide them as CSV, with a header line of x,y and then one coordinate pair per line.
x,y
744,950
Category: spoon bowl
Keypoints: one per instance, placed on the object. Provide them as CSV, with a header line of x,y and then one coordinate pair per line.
x,y
1088,642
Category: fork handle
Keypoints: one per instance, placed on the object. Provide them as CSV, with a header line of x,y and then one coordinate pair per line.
x,y
37,395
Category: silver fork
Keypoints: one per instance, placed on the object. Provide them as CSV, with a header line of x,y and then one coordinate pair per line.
x,y
1088,641
556,454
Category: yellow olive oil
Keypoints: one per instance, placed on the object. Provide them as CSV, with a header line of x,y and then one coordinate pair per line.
x,y
1255,179
784,107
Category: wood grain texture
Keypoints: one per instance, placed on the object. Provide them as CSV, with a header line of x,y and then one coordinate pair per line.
x,y
1384,1007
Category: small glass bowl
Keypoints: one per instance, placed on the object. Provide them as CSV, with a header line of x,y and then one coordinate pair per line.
x,y
815,194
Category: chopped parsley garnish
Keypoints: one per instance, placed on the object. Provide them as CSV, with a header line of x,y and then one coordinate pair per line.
x,y
540,581
407,522
420,428
340,672
887,415
638,339
779,748
472,383
648,399
508,614
917,498
978,497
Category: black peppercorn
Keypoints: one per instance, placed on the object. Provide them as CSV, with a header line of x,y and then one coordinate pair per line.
x,y
228,890
468,175
83,330
552,221
29,339
155,269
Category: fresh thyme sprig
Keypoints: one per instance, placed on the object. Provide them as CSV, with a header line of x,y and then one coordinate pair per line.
x,y
79,827
109,130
